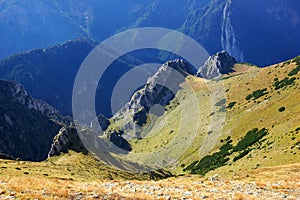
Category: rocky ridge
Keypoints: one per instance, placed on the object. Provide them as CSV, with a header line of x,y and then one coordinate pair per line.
x,y
217,65
19,93
159,90
66,139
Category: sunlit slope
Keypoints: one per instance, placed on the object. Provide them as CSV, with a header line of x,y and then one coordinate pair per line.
x,y
205,115
70,166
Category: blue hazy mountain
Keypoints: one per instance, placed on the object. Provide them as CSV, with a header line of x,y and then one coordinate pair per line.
x,y
25,25
49,73
260,32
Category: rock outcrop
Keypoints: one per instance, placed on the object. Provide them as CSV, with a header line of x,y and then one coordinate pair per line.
x,y
216,65
117,139
161,88
158,92
19,93
67,139
103,122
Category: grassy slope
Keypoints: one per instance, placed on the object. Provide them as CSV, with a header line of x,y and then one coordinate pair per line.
x,y
243,117
70,166
74,173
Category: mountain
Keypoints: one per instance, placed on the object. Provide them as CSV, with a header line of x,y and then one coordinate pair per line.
x,y
259,32
247,127
157,93
59,21
243,119
48,74
27,125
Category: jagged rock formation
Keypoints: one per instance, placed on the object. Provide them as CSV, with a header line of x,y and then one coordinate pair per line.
x,y
19,93
27,125
103,122
161,87
157,93
216,65
67,139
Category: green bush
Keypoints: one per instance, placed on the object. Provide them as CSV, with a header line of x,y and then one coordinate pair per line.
x,y
257,94
231,104
284,83
220,103
281,109
251,138
294,71
241,155
220,158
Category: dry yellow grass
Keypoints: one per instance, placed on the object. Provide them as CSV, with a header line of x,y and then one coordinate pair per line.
x,y
263,183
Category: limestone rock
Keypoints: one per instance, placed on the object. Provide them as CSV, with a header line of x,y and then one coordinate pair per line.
x,y
216,65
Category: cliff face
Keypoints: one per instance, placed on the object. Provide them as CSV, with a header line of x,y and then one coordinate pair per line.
x,y
27,125
256,31
229,38
252,31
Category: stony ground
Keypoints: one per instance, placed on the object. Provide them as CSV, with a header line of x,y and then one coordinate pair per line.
x,y
19,180
188,187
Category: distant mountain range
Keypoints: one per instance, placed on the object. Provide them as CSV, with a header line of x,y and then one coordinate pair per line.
x,y
259,32
48,74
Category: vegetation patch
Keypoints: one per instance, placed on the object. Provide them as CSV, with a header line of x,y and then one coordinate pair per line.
x,y
281,109
284,83
231,104
257,94
211,162
297,60
294,71
221,158
251,138
241,155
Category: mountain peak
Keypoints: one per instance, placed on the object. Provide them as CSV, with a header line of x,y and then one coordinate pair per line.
x,y
181,66
216,65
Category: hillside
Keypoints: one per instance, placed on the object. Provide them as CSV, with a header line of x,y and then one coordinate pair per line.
x,y
239,133
27,125
80,177
244,120
49,73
